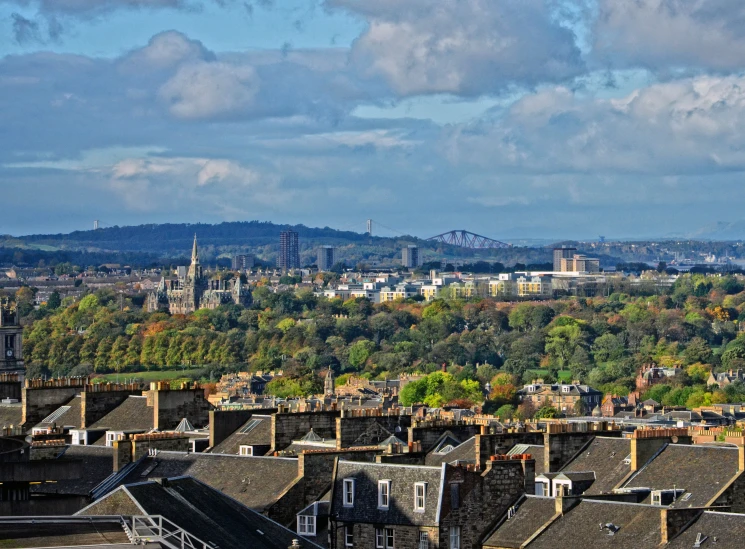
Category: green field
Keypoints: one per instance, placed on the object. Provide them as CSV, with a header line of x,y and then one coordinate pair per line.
x,y
147,376
563,375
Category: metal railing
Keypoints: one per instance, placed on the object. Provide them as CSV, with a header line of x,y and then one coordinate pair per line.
x,y
157,528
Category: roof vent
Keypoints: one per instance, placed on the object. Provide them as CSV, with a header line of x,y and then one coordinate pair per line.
x,y
612,528
700,539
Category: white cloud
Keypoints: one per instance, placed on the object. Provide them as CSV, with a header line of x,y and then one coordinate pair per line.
x,y
206,90
465,47
666,34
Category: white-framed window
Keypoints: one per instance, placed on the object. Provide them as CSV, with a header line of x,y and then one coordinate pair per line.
x,y
306,525
656,497
247,450
349,536
348,500
384,494
423,540
455,537
379,538
420,496
389,538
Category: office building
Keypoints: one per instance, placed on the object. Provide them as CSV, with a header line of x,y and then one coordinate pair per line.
x,y
289,251
242,262
326,258
410,257
580,264
564,252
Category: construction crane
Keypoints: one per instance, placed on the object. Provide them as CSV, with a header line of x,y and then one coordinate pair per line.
x,y
465,239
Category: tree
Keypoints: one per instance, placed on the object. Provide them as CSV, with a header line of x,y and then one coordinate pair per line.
x,y
360,351
54,301
547,412
505,412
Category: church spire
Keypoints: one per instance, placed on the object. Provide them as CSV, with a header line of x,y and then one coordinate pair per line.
x,y
194,252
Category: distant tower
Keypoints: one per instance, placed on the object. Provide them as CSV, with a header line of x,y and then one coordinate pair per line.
x,y
11,343
328,384
289,251
369,227
410,257
326,258
564,252
95,224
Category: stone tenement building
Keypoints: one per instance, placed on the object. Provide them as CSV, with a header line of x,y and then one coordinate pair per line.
x,y
194,291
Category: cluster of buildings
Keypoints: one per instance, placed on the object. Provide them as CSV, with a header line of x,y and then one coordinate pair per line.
x,y
119,465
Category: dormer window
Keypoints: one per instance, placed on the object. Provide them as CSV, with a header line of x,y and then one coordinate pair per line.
x,y
348,500
565,388
420,496
384,494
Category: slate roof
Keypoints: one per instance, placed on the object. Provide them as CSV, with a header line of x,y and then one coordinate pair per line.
x,y
535,450
403,478
210,515
70,417
465,452
260,435
131,415
98,463
63,534
256,482
727,528
639,527
10,414
532,513
689,468
605,457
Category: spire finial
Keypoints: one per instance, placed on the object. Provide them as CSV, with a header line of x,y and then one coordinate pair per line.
x,y
194,252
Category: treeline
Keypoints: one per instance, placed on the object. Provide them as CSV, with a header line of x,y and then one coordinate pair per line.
x,y
600,341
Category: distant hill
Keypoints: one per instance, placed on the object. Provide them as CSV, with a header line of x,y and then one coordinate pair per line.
x,y
172,238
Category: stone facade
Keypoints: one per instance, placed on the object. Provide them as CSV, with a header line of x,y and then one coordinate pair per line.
x,y
194,291
287,427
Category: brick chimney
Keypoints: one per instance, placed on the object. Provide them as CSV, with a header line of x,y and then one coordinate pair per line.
x,y
645,443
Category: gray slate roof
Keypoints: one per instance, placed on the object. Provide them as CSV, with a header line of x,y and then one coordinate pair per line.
x,y
727,528
464,452
67,415
210,515
532,513
403,478
260,435
605,457
131,415
98,463
639,527
689,468
256,482
10,414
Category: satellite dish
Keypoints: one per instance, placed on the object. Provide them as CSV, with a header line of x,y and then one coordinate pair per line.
x,y
674,439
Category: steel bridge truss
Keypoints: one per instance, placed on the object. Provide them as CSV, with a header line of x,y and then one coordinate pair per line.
x,y
464,239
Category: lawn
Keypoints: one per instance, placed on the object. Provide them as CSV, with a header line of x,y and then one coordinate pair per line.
x,y
563,375
147,376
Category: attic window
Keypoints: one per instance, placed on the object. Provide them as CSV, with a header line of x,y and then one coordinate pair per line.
x,y
250,426
686,497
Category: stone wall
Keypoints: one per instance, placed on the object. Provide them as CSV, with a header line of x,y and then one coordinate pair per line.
x,y
369,430
95,404
560,448
501,443
483,498
171,406
673,521
224,423
39,402
142,444
428,435
287,427
405,537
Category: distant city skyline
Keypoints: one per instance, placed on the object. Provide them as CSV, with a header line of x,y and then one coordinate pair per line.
x,y
548,119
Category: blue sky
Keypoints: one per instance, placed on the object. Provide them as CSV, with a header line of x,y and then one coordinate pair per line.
x,y
510,118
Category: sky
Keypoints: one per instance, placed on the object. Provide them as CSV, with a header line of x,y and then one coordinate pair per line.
x,y
509,118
